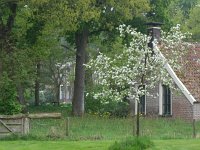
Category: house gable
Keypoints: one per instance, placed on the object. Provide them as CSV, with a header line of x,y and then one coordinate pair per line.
x,y
177,81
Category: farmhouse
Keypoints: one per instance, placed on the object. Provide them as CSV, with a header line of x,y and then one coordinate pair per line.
x,y
182,103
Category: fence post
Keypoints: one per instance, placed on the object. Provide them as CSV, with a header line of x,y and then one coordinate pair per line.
x,y
67,126
26,125
194,128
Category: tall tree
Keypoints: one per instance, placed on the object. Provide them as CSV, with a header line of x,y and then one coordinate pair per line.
x,y
83,18
13,56
35,39
8,12
79,20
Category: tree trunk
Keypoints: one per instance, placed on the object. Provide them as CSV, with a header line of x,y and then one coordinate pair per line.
x,y
37,85
58,94
1,67
20,92
5,33
79,83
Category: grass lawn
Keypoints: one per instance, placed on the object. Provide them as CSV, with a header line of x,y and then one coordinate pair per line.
x,y
178,144
55,145
98,133
175,144
95,128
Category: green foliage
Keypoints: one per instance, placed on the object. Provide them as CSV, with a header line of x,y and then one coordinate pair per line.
x,y
170,12
176,13
159,12
192,24
186,5
132,143
186,13
105,106
8,102
92,105
96,15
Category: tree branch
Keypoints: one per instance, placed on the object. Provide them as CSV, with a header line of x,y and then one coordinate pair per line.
x,y
67,47
97,31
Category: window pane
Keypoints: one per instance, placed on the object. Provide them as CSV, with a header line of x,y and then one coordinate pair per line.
x,y
166,100
142,104
142,101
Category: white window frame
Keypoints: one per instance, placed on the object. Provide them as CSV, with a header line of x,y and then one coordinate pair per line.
x,y
61,92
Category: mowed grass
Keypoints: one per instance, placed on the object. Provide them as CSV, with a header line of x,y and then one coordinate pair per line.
x,y
54,145
175,144
92,132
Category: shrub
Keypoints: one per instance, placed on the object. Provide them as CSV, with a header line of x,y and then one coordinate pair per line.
x,y
92,105
8,102
120,109
132,143
104,106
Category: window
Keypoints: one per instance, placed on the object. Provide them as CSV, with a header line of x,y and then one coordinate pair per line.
x,y
142,105
62,92
166,100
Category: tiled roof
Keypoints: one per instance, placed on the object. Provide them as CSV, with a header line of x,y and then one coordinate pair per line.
x,y
191,72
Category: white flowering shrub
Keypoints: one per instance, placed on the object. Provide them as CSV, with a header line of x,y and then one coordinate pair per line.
x,y
137,65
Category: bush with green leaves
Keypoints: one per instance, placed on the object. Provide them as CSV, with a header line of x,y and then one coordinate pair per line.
x,y
8,97
105,105
133,143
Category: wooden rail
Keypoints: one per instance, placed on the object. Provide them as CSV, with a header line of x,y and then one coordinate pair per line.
x,y
44,115
32,116
20,124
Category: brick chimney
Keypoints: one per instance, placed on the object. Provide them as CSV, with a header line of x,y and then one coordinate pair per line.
x,y
154,31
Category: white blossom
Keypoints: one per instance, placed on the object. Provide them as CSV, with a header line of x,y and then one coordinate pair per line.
x,y
137,60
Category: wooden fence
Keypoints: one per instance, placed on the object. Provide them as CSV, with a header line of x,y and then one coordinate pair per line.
x,y
20,124
15,124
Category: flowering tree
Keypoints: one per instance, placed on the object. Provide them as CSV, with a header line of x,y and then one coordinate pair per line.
x,y
137,65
